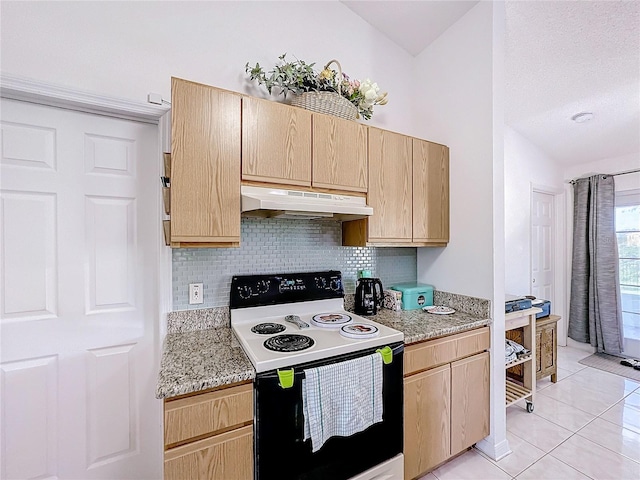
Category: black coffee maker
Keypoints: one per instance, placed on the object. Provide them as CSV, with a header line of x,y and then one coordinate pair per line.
x,y
369,296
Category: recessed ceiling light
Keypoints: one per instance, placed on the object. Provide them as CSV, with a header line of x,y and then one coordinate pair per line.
x,y
582,117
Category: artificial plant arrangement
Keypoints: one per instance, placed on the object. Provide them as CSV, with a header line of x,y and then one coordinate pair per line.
x,y
298,77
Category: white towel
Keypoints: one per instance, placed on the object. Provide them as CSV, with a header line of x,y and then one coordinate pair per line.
x,y
342,398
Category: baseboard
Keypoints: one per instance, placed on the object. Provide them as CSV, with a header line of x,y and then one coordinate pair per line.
x,y
586,347
492,450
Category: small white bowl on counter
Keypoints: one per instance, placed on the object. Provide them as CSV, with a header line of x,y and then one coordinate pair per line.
x,y
439,310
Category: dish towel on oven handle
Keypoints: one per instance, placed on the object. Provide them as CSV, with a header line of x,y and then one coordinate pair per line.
x,y
342,398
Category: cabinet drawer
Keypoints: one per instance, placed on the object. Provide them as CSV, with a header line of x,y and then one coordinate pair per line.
x,y
207,413
228,456
432,353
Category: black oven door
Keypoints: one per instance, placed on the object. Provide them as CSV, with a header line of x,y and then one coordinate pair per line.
x,y
281,451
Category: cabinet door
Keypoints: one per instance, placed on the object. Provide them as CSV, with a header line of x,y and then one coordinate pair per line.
x,y
430,192
228,456
339,154
546,347
469,401
426,420
390,187
205,164
276,143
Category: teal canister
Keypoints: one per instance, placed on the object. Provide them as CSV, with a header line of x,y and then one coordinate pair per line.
x,y
415,295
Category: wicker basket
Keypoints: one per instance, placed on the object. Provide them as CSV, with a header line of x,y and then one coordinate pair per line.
x,y
331,103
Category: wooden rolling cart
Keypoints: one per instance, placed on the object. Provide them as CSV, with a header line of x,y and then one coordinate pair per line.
x,y
525,319
546,349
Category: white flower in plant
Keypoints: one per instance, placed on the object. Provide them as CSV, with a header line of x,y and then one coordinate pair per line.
x,y
369,91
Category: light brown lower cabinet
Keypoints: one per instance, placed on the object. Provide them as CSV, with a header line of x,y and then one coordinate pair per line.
x,y
209,435
427,429
446,398
226,456
469,401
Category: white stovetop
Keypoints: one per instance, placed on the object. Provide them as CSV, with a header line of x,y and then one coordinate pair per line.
x,y
328,341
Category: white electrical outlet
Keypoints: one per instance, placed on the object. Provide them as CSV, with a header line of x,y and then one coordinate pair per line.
x,y
196,293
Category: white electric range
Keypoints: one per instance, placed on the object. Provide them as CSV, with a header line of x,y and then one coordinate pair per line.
x,y
287,324
327,330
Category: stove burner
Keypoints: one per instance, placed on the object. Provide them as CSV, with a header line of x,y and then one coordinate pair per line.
x,y
359,330
288,343
268,328
330,320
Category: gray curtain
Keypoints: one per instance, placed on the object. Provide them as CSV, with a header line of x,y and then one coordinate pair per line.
x,y
595,312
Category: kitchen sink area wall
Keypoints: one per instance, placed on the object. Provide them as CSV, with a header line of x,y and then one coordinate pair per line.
x,y
283,245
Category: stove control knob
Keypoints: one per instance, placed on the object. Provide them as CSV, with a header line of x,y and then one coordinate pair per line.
x,y
245,291
321,283
335,284
263,286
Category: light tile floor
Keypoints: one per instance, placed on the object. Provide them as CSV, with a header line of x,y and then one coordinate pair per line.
x,y
587,425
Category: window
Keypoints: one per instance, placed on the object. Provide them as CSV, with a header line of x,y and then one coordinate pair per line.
x,y
628,234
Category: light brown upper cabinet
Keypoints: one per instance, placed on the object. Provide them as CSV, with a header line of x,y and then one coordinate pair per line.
x,y
276,143
205,165
339,154
390,186
430,192
409,193
389,194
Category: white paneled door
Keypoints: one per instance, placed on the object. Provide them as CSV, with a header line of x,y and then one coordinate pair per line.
x,y
78,295
542,246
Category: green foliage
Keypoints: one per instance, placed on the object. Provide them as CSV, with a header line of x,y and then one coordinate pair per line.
x,y
300,77
295,77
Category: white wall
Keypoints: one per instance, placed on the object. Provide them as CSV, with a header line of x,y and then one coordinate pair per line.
x,y
525,166
448,94
128,49
461,78
455,108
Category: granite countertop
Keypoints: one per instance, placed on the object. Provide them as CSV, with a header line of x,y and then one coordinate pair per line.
x,y
202,352
201,359
418,325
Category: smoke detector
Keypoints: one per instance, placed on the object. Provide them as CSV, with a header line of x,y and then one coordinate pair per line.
x,y
582,117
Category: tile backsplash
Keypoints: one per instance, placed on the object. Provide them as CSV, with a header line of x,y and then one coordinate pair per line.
x,y
279,246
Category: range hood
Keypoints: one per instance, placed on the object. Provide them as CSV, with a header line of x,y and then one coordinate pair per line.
x,y
277,203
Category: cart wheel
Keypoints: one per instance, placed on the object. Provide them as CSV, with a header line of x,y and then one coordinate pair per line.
x,y
529,407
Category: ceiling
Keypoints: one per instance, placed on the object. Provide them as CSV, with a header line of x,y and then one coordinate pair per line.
x,y
561,58
413,25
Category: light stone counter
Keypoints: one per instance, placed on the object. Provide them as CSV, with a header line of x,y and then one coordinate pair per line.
x,y
418,326
202,352
201,359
